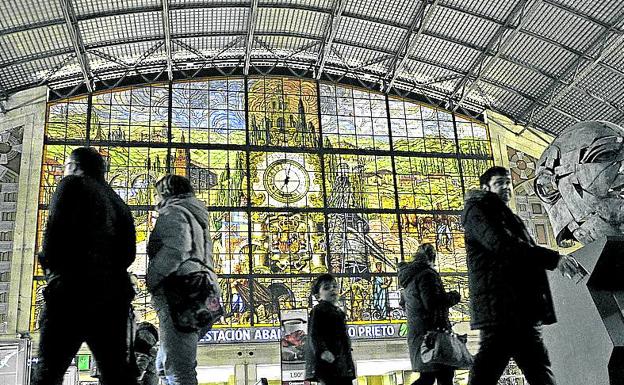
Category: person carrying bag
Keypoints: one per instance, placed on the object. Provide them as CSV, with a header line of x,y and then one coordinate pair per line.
x,y
181,278
426,305
447,348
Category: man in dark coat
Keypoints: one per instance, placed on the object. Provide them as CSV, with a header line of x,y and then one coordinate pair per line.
x,y
509,292
88,244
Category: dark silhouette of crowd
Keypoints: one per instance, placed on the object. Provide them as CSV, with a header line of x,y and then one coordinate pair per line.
x,y
89,243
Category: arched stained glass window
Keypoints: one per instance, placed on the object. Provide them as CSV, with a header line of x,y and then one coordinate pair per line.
x,y
300,178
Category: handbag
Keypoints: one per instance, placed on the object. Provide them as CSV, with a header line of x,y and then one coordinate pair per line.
x,y
193,301
447,348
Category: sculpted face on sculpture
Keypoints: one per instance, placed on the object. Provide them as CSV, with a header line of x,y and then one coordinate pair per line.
x,y
580,179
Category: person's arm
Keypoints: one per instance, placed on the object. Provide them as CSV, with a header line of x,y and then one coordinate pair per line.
x,y
432,293
129,236
173,233
317,331
63,216
489,232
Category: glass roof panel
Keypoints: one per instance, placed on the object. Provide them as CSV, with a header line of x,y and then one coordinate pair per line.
x,y
18,13
86,8
563,27
401,12
215,20
370,34
461,27
119,28
34,42
290,21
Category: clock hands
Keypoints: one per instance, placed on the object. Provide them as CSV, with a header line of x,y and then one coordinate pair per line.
x,y
287,177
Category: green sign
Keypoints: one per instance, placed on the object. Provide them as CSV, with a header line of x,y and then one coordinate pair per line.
x,y
83,361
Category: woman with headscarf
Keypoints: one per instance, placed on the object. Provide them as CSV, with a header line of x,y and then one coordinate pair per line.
x,y
179,246
427,308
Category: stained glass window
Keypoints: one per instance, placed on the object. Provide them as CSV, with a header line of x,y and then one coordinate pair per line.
x,y
353,118
311,178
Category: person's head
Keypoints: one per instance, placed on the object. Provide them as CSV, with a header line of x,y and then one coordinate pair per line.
x,y
580,180
172,185
85,161
146,327
426,253
497,180
146,337
325,287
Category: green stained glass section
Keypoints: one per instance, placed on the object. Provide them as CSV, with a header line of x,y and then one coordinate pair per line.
x,y
283,112
217,176
472,169
473,137
421,128
288,243
53,165
135,114
428,183
67,120
132,171
359,181
353,118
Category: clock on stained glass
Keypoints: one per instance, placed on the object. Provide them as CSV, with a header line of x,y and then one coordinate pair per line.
x,y
286,181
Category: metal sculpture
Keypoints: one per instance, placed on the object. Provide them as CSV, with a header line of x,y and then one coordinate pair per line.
x,y
580,180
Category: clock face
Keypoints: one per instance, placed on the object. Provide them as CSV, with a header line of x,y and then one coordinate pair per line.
x,y
286,181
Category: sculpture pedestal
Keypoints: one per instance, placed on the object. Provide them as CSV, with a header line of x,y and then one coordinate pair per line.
x,y
586,345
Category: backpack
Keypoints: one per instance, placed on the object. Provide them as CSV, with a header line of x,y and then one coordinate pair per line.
x,y
193,301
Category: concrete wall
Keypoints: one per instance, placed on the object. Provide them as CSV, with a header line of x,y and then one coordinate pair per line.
x,y
27,110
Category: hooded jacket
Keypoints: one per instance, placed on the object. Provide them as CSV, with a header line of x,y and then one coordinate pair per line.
x,y
426,306
180,242
506,269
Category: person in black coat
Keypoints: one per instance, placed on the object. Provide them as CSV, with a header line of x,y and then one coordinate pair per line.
x,y
89,243
510,297
427,306
328,348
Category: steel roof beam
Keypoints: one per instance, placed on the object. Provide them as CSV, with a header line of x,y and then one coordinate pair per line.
x,y
251,28
167,32
410,41
479,66
77,42
605,47
330,34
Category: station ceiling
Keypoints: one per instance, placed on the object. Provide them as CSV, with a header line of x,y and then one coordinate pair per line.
x,y
544,63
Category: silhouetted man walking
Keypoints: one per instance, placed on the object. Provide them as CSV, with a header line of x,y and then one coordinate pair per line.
x,y
88,244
